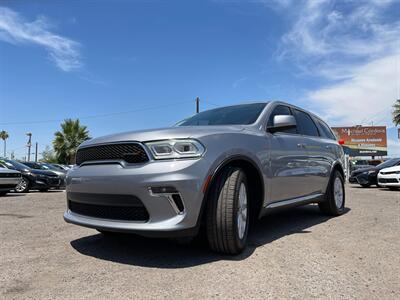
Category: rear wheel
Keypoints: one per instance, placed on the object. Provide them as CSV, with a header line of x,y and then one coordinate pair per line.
x,y
43,190
393,188
23,186
365,185
228,212
334,201
3,193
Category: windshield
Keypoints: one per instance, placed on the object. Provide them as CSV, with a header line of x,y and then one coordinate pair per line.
x,y
231,115
15,165
389,163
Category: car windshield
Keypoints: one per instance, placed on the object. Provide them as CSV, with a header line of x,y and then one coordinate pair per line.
x,y
231,115
389,163
12,164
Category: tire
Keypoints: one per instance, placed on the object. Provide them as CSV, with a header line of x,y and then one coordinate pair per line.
x,y
227,214
23,186
335,196
43,190
366,185
393,188
3,193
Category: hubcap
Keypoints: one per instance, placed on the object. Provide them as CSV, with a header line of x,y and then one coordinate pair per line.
x,y
338,192
242,211
21,185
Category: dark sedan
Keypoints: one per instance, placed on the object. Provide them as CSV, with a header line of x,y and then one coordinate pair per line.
x,y
369,176
32,179
48,167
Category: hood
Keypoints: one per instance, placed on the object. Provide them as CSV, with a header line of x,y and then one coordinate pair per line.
x,y
8,171
362,170
179,132
42,172
391,169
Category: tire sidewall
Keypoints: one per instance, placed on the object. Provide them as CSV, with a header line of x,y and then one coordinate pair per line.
x,y
339,210
241,243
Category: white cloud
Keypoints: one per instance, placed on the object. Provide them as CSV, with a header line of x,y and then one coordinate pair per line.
x,y
62,51
354,47
367,96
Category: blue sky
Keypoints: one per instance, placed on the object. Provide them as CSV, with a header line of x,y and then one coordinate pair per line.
x,y
127,65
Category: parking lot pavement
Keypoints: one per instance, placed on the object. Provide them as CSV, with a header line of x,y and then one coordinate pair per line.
x,y
295,254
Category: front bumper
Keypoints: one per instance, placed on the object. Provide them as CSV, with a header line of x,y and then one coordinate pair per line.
x,y
7,184
186,176
389,180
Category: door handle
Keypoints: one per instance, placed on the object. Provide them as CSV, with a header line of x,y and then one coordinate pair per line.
x,y
300,145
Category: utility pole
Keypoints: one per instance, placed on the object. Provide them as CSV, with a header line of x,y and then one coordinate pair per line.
x,y
36,151
197,105
29,144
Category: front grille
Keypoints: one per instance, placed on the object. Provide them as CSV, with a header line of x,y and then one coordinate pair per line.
x,y
136,212
388,180
10,175
129,152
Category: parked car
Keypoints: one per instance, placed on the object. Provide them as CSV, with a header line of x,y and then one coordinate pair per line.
x,y
32,179
389,177
219,170
9,179
356,164
62,167
369,176
49,167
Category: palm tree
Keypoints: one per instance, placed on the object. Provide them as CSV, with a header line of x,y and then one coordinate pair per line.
x,y
396,112
4,136
67,140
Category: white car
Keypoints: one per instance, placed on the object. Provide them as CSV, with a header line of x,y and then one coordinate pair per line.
x,y
389,177
9,179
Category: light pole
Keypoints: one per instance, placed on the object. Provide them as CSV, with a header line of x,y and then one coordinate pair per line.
x,y
29,144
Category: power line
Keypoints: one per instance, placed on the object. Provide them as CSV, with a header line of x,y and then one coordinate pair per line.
x,y
97,116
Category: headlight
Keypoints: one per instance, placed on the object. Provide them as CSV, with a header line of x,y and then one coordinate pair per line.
x,y
169,149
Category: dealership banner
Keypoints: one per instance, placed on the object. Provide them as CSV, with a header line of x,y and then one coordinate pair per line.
x,y
363,140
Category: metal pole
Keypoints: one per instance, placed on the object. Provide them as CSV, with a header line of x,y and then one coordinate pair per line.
x,y
197,105
36,151
29,134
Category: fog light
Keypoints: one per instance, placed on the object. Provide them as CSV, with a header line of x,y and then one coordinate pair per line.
x,y
163,190
171,193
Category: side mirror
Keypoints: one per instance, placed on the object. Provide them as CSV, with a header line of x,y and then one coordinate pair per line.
x,y
282,122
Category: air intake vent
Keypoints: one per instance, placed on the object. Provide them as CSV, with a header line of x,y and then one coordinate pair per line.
x,y
129,152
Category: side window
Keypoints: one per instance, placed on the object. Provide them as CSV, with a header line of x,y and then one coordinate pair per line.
x,y
280,110
325,130
305,123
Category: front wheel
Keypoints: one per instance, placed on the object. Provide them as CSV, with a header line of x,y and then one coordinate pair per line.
x,y
23,186
334,201
228,212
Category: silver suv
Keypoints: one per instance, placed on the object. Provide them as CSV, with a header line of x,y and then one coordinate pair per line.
x,y
218,170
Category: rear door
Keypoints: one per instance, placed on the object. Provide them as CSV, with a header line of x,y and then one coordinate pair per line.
x,y
319,155
288,161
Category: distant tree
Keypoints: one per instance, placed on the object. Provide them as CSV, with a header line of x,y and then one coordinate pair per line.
x,y
4,136
67,140
396,112
49,156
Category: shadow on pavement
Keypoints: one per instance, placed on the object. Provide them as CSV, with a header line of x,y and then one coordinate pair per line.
x,y
164,253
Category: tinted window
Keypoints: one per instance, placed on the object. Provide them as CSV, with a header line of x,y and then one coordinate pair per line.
x,y
280,110
325,130
305,124
389,163
230,115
